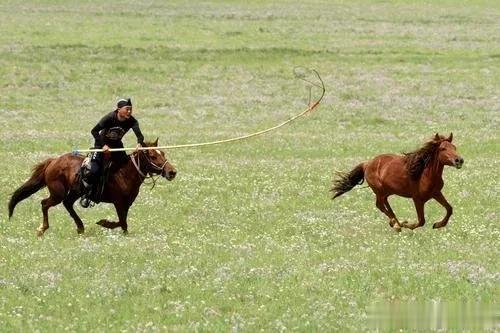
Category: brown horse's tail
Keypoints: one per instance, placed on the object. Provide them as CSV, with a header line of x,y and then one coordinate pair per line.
x,y
348,180
33,185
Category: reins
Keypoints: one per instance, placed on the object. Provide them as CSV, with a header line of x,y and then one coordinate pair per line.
x,y
137,165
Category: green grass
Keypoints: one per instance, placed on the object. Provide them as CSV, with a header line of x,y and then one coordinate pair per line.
x,y
246,237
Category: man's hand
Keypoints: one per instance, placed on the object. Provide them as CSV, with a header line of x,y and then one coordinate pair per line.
x,y
105,149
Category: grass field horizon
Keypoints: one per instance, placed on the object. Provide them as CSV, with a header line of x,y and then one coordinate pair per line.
x,y
246,238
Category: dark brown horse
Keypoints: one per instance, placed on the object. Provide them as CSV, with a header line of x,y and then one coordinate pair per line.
x,y
416,175
60,175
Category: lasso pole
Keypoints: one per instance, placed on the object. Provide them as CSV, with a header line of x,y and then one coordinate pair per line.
x,y
311,107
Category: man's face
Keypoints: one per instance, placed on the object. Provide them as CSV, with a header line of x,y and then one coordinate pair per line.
x,y
125,112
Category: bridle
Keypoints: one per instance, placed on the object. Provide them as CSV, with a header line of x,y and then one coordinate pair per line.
x,y
137,165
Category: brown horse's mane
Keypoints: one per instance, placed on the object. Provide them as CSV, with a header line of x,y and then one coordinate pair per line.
x,y
417,160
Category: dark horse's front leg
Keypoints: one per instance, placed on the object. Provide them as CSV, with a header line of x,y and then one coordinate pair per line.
x,y
122,211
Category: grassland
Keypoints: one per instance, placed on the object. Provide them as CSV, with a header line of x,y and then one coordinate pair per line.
x,y
247,238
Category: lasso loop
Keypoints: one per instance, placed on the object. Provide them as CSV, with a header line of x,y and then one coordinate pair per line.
x,y
300,73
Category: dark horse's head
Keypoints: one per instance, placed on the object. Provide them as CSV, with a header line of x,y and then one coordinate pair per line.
x,y
156,162
439,148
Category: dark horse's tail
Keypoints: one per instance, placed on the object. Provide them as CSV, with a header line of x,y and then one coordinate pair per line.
x,y
32,185
348,180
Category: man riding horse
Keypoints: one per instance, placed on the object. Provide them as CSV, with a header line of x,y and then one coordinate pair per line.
x,y
108,133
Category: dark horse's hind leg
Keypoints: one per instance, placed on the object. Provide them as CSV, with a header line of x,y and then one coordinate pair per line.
x,y
122,211
384,207
56,196
68,204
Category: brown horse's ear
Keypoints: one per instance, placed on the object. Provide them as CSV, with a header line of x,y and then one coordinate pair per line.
x,y
437,137
450,138
155,144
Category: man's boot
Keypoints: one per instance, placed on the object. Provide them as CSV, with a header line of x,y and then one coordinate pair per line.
x,y
89,174
87,192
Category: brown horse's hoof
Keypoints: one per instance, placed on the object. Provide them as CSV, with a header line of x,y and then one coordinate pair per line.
x,y
406,224
40,231
397,228
393,222
80,231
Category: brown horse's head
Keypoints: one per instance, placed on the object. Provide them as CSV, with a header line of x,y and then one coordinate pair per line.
x,y
439,149
447,152
157,162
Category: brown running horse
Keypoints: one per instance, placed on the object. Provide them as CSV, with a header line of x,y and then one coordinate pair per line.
x,y
60,175
416,175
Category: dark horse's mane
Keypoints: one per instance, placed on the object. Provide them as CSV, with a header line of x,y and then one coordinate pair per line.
x,y
417,160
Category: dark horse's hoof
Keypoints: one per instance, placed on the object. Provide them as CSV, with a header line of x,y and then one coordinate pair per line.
x,y
108,224
438,225
102,222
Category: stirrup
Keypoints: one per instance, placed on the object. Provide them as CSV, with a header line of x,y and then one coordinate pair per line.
x,y
85,202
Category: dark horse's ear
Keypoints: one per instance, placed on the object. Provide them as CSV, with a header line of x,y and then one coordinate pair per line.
x,y
155,144
437,137
450,138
